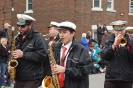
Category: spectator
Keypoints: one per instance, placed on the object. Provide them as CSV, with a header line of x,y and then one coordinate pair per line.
x,y
104,28
89,37
4,34
4,53
95,58
4,31
99,34
84,41
104,37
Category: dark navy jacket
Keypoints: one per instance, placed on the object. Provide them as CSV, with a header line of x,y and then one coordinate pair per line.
x,y
78,65
120,60
30,66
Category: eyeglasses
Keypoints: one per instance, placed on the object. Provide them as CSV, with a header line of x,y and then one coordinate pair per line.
x,y
23,26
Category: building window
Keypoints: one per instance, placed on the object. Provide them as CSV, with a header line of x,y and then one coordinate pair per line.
x,y
97,5
131,7
29,6
94,31
110,6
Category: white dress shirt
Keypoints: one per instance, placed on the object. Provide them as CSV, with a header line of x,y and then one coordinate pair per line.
x,y
66,53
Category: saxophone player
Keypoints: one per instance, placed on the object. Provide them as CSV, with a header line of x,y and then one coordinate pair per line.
x,y
53,31
54,37
119,70
73,61
31,52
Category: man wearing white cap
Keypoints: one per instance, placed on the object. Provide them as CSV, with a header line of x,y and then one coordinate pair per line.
x,y
30,54
73,61
4,31
118,51
54,36
53,31
129,31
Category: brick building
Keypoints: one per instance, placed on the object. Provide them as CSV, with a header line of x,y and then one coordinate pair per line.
x,y
86,14
5,13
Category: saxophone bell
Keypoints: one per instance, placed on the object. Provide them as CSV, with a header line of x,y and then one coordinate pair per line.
x,y
13,63
48,81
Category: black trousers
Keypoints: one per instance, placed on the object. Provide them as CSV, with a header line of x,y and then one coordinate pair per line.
x,y
118,84
27,84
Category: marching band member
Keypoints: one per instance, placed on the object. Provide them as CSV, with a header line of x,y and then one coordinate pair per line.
x,y
129,31
73,60
53,36
31,53
118,51
53,31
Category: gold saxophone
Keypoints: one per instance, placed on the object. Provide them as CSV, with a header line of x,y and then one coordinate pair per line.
x,y
47,36
13,63
48,81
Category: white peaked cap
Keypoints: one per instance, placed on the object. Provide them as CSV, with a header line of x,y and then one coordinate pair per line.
x,y
22,18
53,23
119,25
119,22
128,28
67,25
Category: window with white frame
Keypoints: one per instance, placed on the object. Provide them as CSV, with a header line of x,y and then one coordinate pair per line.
x,y
110,5
131,7
97,5
94,31
29,6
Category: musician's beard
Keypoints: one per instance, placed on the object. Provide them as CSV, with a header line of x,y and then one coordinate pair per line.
x,y
24,33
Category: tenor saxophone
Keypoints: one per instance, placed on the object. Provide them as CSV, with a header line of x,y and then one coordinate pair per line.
x,y
48,81
13,63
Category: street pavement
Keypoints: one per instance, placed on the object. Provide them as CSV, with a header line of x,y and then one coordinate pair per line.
x,y
95,81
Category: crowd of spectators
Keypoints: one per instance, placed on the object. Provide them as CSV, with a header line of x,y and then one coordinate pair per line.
x,y
94,47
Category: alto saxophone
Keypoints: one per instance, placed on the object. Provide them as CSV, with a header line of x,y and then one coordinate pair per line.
x,y
47,36
13,63
48,81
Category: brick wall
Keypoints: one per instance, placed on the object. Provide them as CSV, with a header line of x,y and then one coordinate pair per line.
x,y
77,11
5,14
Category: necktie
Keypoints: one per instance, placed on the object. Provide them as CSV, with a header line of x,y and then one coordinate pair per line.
x,y
61,75
52,38
22,39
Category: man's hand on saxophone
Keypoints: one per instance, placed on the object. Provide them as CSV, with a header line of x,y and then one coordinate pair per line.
x,y
17,53
58,69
